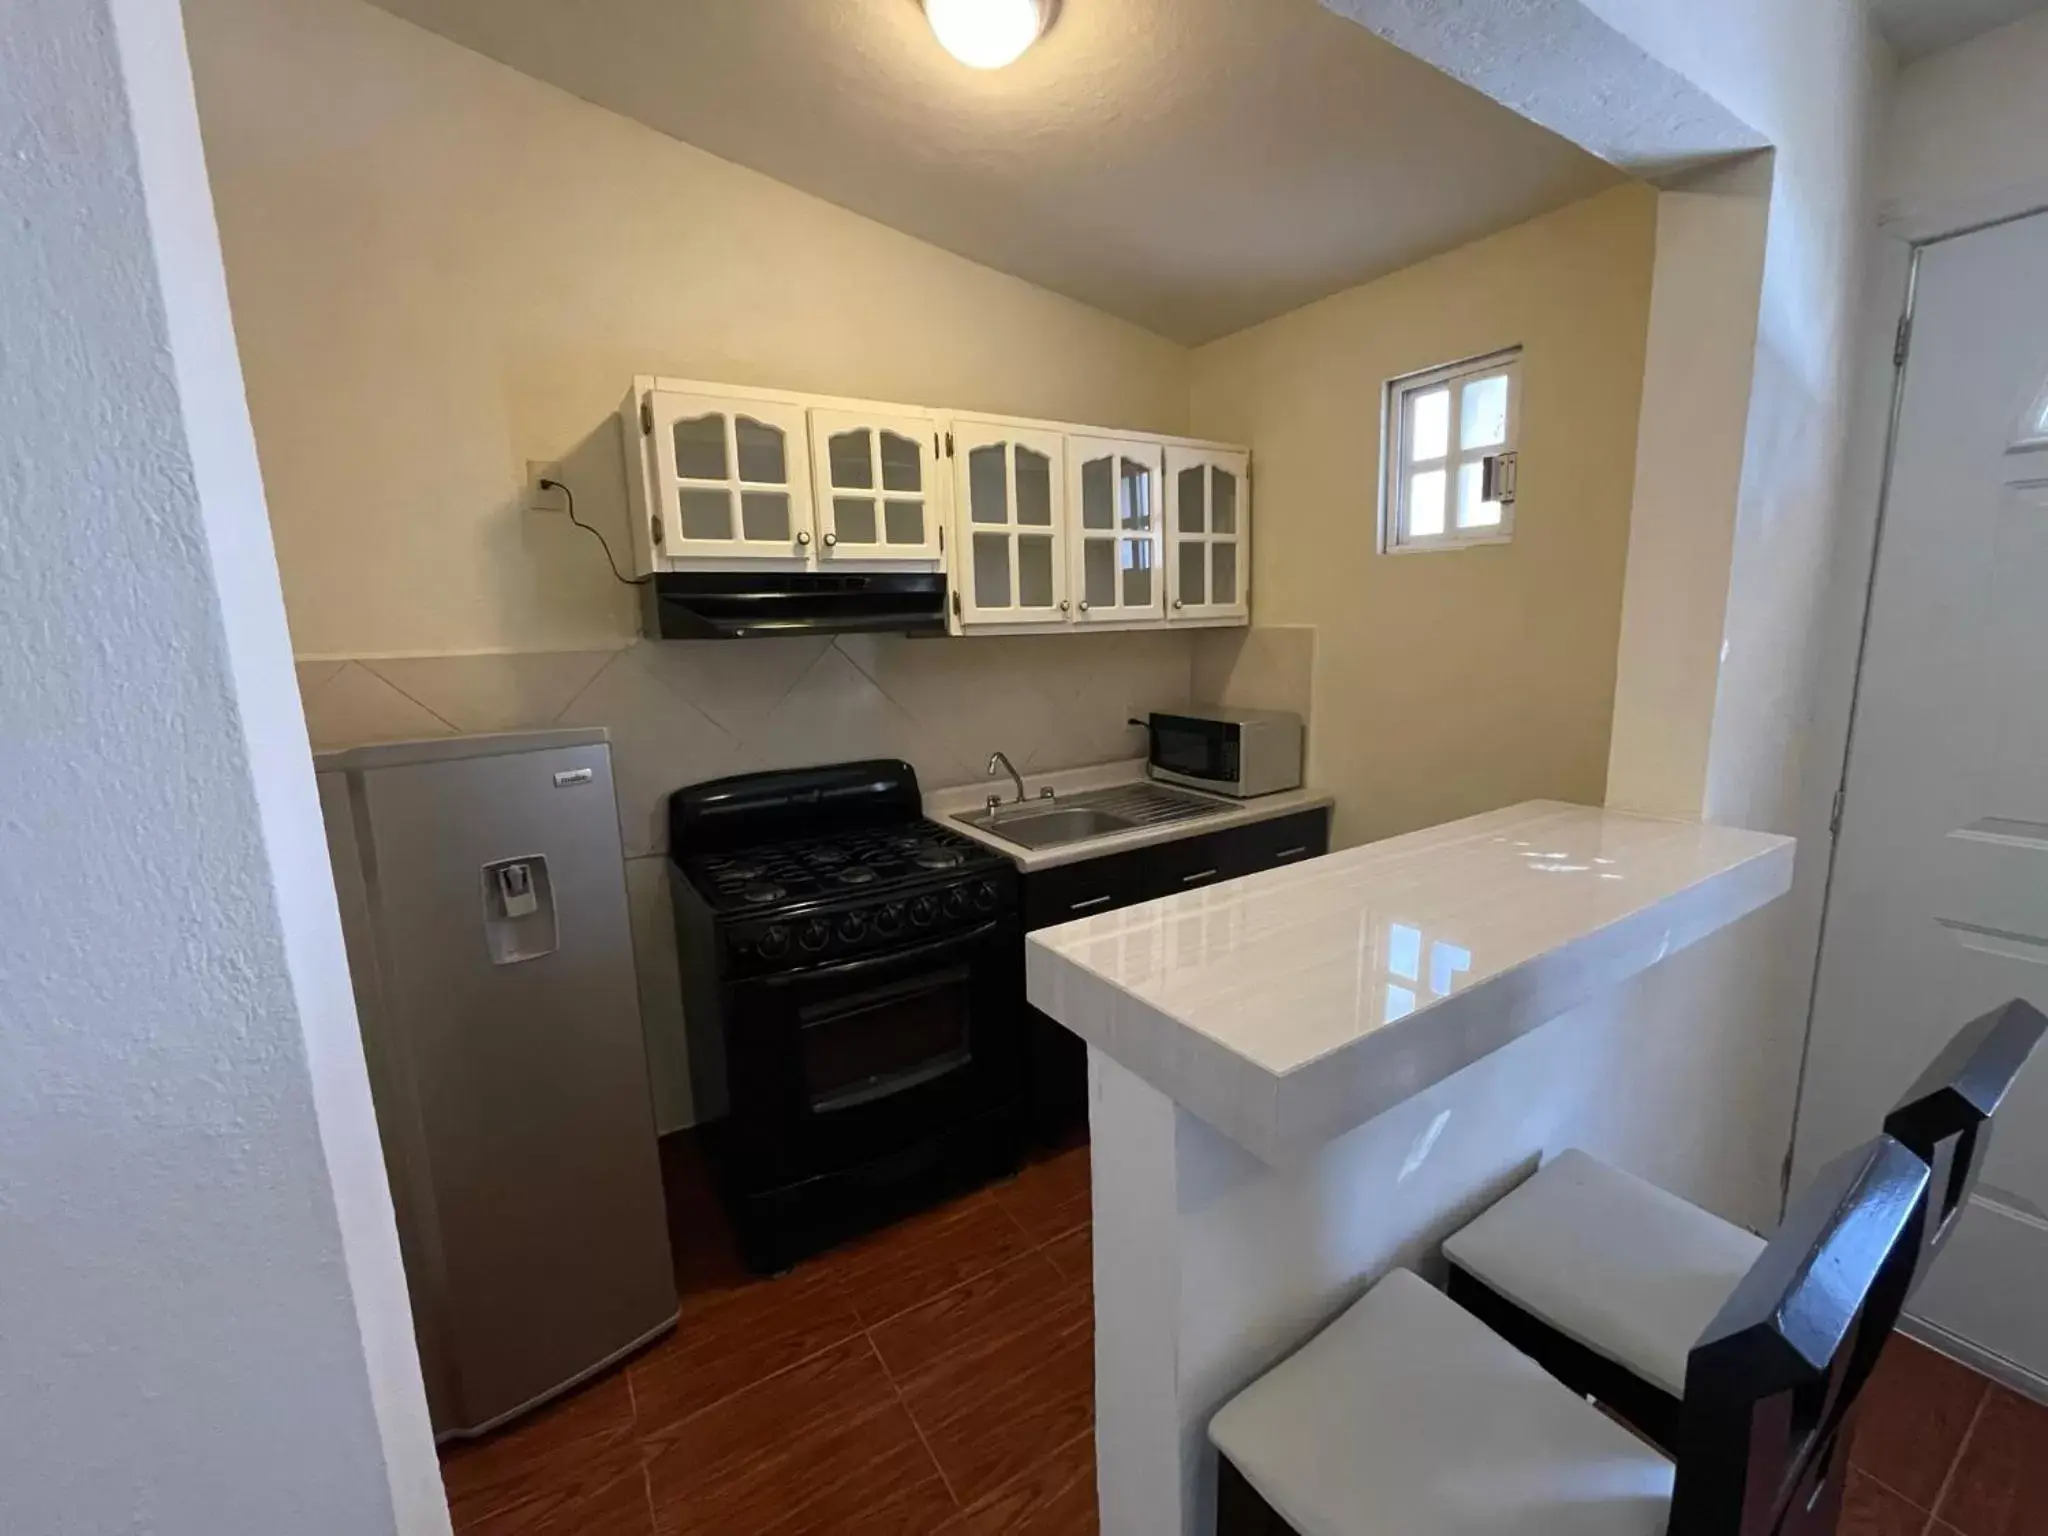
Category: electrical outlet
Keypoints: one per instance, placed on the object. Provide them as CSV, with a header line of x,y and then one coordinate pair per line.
x,y
537,499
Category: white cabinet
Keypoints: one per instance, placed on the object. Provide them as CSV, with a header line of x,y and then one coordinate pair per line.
x,y
730,477
1115,503
1036,525
877,486
1010,550
1208,533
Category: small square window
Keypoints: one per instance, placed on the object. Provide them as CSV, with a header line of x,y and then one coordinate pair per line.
x,y
1450,455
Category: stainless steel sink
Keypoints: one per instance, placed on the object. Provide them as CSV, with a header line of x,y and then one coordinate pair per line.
x,y
1029,827
1095,813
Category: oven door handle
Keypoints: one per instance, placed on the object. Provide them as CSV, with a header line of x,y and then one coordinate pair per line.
x,y
870,963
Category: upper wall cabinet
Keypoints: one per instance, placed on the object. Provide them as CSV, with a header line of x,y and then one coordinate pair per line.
x,y
731,477
1035,525
877,490
1115,496
1011,546
1208,533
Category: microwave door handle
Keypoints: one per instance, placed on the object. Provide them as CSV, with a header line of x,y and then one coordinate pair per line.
x,y
868,963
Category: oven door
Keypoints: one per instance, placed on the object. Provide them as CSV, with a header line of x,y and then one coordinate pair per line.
x,y
1188,749
861,1058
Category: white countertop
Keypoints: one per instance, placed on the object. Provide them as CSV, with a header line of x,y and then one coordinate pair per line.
x,y
1289,1006
944,804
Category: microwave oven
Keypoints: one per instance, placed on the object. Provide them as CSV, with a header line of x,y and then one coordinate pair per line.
x,y
1241,752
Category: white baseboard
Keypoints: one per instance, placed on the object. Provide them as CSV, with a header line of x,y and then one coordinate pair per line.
x,y
2005,1372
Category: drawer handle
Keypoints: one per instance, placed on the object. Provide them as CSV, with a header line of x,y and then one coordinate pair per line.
x,y
1092,901
1290,853
1198,875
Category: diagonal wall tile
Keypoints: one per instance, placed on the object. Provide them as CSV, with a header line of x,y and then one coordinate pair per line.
x,y
494,693
355,707
659,744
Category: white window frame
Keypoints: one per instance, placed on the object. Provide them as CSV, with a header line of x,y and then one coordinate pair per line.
x,y
1400,465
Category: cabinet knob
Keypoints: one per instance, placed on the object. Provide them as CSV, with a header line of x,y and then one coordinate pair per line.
x,y
1178,603
1063,605
831,539
1084,605
804,537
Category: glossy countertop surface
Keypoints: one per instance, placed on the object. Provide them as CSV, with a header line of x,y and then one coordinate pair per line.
x,y
1288,1006
944,805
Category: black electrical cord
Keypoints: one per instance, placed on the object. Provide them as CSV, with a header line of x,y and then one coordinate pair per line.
x,y
570,497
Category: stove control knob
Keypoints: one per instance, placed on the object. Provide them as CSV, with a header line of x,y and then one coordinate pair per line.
x,y
853,927
890,919
956,902
985,897
774,943
923,910
815,936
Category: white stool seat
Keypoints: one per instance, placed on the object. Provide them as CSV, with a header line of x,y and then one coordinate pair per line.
x,y
1409,1417
1630,1271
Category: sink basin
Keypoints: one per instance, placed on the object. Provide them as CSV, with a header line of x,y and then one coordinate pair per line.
x,y
1042,824
1030,827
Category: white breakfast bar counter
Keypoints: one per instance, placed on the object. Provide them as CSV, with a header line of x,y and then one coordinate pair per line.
x,y
1280,1105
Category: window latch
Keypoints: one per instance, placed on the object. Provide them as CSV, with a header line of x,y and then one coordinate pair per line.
x,y
1497,478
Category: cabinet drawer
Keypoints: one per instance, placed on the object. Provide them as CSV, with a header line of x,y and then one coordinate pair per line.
x,y
1078,890
1125,879
1270,844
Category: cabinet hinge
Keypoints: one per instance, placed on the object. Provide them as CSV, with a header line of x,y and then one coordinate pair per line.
x,y
949,445
942,538
657,530
1904,343
647,417
956,605
1835,813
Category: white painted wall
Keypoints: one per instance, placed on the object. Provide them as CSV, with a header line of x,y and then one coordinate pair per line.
x,y
1968,134
203,1322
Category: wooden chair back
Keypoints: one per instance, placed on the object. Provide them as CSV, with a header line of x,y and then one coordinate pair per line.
x,y
1945,1117
1771,1387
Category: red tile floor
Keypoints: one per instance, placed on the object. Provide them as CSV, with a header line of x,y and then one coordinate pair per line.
x,y
936,1379
1941,1451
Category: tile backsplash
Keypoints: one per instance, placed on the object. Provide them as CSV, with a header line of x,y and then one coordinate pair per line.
x,y
684,711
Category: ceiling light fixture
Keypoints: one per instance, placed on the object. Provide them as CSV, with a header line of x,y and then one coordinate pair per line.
x,y
987,34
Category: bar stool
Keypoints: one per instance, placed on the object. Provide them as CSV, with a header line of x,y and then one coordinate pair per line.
x,y
1607,1280
1407,1416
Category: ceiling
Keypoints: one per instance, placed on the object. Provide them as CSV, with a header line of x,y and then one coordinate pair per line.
x,y
1194,166
1916,28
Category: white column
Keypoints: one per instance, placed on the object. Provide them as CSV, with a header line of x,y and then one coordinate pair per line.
x,y
203,1321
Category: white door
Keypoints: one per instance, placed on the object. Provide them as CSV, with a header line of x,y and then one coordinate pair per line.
x,y
1208,534
1114,491
875,486
1936,917
732,478
1009,566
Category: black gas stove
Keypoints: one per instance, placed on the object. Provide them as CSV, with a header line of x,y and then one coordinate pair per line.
x,y
853,994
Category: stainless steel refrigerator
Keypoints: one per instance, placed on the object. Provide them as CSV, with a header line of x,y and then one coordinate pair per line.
x,y
483,897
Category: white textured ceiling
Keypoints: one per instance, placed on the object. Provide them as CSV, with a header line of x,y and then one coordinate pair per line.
x,y
1194,166
1916,28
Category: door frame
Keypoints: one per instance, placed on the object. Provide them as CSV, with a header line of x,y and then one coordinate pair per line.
x,y
1917,235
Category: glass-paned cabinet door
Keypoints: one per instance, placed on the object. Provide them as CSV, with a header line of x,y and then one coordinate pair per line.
x,y
1009,551
877,488
1208,534
732,478
1117,503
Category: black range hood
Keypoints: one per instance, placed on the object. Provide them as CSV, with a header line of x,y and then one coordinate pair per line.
x,y
741,605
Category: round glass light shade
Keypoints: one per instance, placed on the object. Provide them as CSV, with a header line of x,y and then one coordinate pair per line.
x,y
986,34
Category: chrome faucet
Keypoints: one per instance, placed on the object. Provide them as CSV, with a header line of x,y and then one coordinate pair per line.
x,y
999,762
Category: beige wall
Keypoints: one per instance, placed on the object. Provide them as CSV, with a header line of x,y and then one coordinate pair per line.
x,y
441,269
1452,682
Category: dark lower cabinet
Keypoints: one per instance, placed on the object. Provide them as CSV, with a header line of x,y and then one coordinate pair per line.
x,y
1071,891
